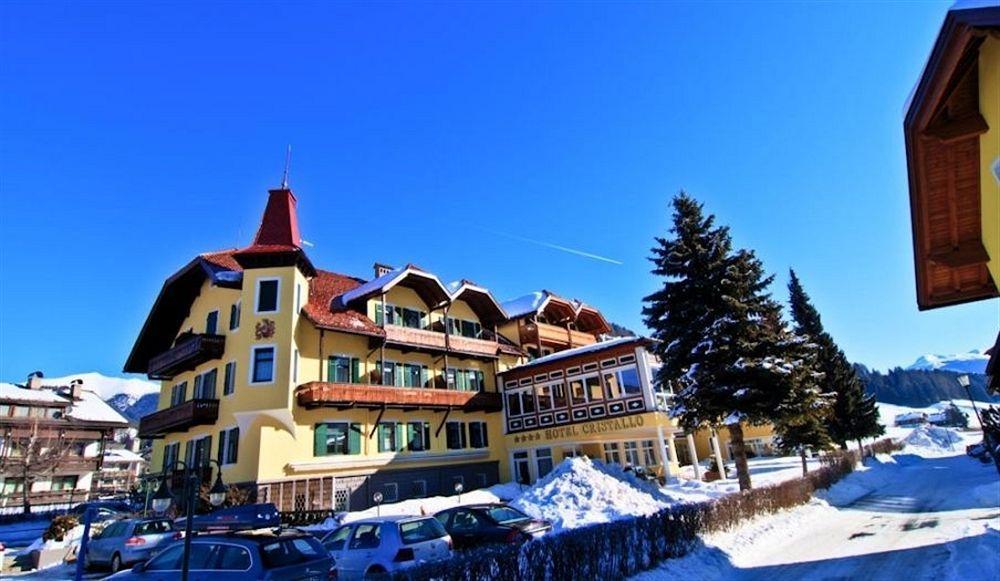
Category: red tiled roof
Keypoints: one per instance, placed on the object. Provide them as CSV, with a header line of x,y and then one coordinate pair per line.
x,y
223,259
323,288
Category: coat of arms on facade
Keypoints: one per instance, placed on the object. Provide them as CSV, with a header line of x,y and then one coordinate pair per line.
x,y
264,329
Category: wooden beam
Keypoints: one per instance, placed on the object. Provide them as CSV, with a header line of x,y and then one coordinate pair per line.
x,y
966,253
952,130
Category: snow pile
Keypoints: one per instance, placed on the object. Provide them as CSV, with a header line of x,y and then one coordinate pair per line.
x,y
580,492
933,439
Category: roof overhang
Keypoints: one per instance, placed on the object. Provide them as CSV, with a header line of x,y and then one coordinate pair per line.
x,y
942,128
426,285
481,301
591,320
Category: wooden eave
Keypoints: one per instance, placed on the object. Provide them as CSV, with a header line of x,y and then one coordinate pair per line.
x,y
942,129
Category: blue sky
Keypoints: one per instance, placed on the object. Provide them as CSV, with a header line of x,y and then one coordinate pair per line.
x,y
134,137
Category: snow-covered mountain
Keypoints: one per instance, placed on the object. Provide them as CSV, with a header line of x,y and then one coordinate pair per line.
x,y
972,362
133,398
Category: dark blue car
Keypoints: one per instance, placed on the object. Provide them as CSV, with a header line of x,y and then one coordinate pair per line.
x,y
246,555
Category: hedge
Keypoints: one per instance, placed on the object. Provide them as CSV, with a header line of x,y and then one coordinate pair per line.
x,y
628,546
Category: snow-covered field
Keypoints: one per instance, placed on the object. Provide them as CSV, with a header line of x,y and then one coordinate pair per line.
x,y
928,512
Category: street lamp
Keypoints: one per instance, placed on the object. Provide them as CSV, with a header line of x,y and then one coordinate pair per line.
x,y
192,483
963,380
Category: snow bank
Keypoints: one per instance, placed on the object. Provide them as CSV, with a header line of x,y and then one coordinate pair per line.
x,y
580,492
933,439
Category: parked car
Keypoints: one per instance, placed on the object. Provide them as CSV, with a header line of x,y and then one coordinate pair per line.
x,y
129,541
102,509
260,554
376,548
484,524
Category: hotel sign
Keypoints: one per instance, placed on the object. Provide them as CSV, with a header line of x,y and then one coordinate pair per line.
x,y
583,430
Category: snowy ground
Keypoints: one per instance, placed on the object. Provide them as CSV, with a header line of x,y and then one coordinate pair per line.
x,y
926,513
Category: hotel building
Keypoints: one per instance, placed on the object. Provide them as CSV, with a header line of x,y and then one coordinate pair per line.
x,y
316,389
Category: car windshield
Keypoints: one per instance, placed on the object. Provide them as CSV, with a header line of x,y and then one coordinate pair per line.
x,y
418,531
506,514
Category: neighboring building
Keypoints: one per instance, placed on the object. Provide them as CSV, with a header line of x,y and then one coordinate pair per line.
x,y
759,441
51,441
596,400
119,473
952,130
910,419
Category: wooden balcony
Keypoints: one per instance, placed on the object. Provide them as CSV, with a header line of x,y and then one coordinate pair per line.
x,y
349,395
436,341
188,353
553,335
179,418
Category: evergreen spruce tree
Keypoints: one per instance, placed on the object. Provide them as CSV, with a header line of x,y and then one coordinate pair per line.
x,y
854,415
707,321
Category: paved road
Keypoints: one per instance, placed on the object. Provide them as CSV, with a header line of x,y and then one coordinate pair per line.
x,y
926,523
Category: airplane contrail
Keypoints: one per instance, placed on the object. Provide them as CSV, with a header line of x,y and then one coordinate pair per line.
x,y
557,247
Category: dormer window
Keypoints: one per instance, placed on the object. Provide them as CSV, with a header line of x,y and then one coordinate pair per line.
x,y
267,295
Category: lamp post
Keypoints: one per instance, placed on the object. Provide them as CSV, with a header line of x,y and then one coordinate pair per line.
x,y
192,483
963,380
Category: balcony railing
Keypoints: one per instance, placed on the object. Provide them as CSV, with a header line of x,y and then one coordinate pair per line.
x,y
188,353
438,341
179,418
348,395
538,333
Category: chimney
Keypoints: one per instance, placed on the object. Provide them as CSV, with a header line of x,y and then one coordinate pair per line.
x,y
382,269
35,380
76,389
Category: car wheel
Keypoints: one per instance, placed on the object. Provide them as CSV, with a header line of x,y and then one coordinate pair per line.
x,y
116,563
376,573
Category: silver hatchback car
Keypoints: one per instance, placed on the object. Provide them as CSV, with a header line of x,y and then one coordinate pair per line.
x,y
375,548
125,542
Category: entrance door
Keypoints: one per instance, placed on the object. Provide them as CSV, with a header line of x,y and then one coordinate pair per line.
x,y
522,467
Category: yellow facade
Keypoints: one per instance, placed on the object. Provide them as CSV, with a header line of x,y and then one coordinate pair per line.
x,y
759,440
989,150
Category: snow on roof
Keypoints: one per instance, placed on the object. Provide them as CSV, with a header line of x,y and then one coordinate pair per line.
x,y
91,408
521,306
386,282
15,392
595,347
911,416
122,455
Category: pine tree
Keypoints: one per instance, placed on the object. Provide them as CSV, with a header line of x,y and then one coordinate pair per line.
x,y
707,321
854,415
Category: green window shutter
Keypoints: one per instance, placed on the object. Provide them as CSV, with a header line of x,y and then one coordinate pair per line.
x,y
482,380
354,439
400,432
355,370
381,437
222,446
378,314
486,437
331,369
411,432
424,377
319,443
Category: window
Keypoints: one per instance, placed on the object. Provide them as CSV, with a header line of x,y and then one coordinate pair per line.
x,y
388,373
267,295
413,318
593,387
233,558
419,488
543,461
544,395
178,393
558,395
418,436
478,437
229,441
212,323
389,437
420,531
204,385
202,448
513,404
455,435
230,380
63,482
263,365
390,492
632,454
577,391
629,380
13,485
335,540
342,369
414,375
234,316
337,438
366,536
648,453
612,453
528,401
170,454
522,469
